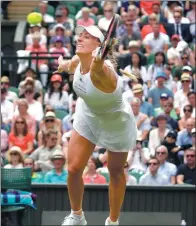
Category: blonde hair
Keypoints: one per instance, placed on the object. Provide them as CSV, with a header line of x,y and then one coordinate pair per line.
x,y
111,51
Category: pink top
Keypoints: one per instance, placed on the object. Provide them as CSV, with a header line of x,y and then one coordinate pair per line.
x,y
4,140
87,23
95,179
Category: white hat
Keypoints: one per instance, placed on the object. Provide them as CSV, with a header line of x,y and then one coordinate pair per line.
x,y
50,114
193,130
59,26
93,30
58,154
182,45
13,149
187,68
35,25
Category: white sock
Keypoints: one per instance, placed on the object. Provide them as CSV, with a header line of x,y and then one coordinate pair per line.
x,y
77,215
112,221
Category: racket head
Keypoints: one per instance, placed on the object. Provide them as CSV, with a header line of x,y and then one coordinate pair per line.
x,y
111,32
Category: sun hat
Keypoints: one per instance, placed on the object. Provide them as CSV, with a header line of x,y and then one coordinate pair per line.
x,y
12,150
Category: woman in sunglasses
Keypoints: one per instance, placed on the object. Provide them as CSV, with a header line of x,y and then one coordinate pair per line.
x,y
188,110
21,136
15,158
49,123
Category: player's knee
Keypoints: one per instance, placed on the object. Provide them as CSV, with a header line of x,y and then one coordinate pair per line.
x,y
74,170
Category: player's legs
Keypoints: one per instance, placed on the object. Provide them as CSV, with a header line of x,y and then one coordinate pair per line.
x,y
117,186
79,152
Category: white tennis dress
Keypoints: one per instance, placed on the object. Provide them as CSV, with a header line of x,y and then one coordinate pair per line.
x,y
105,119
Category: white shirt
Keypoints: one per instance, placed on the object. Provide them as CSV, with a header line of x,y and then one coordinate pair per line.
x,y
173,53
48,18
9,166
29,40
7,110
180,100
156,44
104,23
184,20
11,96
143,72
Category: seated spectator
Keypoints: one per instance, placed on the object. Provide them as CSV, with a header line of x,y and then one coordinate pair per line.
x,y
91,176
170,83
58,123
29,37
130,35
49,123
121,29
30,73
43,9
21,136
145,107
169,7
40,51
146,7
130,180
180,97
192,101
7,108
170,143
55,96
108,10
155,93
42,155
153,177
142,120
35,108
172,52
4,142
138,157
188,110
191,15
166,168
5,83
182,19
85,20
184,139
193,134
23,106
147,29
133,15
156,136
58,50
68,119
136,65
36,177
186,172
94,6
59,31
58,174
159,63
15,158
156,41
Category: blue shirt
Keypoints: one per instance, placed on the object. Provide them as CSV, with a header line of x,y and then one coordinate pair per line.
x,y
157,180
184,138
53,177
155,94
147,109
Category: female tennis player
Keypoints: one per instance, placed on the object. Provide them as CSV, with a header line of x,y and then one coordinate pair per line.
x,y
102,118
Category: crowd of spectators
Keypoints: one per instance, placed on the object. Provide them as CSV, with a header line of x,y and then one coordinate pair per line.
x,y
157,43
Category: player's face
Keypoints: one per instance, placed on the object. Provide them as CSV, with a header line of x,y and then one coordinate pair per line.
x,y
86,43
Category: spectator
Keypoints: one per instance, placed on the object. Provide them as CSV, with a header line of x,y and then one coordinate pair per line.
x,y
184,139
166,168
23,106
130,180
180,97
186,172
170,83
49,123
147,29
145,107
157,135
7,108
86,20
5,83
21,136
58,174
169,7
40,51
170,143
29,37
36,177
133,15
155,93
91,176
15,158
182,19
146,7
142,120
121,29
156,41
136,65
108,10
188,110
42,155
153,69
4,142
191,15
156,9
94,6
129,35
172,52
30,73
68,119
152,177
193,134
43,9
138,157
56,96
192,102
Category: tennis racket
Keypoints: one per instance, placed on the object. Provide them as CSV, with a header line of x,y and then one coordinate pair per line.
x,y
108,41
129,75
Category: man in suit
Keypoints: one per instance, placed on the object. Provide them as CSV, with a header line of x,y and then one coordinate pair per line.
x,y
179,28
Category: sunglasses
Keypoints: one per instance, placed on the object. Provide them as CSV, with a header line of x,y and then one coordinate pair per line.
x,y
54,139
28,164
14,153
160,153
152,163
183,58
108,10
29,91
192,156
19,122
6,83
129,25
49,120
187,110
186,81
